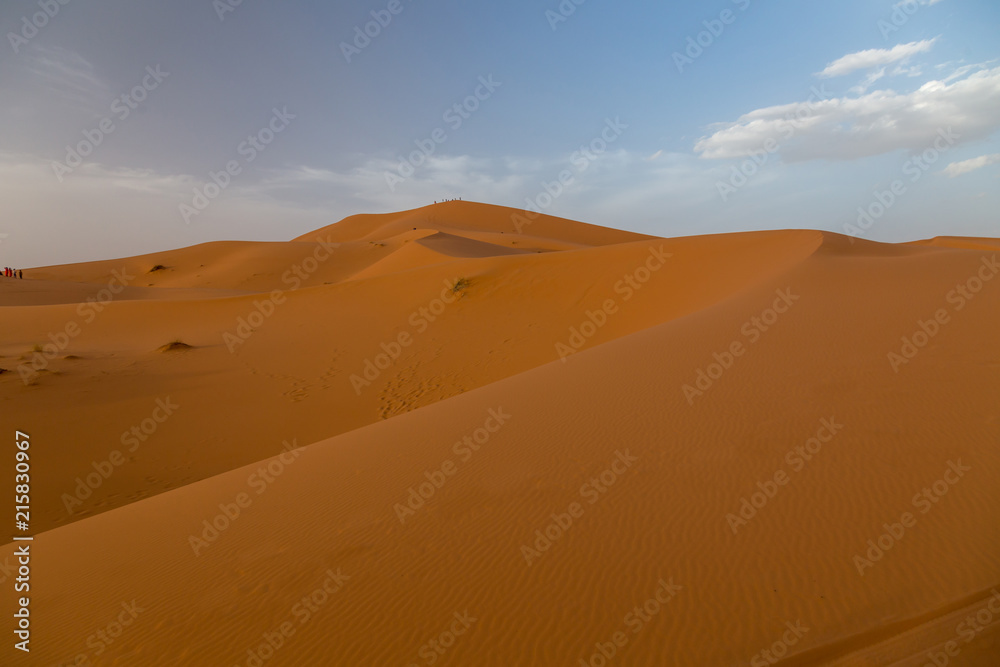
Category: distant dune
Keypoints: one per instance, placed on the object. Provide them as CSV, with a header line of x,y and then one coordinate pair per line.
x,y
459,436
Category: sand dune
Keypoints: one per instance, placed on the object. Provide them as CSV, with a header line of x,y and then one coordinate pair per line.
x,y
964,242
672,450
297,367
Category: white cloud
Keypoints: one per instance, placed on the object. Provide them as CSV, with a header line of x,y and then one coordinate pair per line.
x,y
879,122
965,166
872,77
875,58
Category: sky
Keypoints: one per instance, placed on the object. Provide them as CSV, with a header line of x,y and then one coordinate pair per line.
x,y
129,126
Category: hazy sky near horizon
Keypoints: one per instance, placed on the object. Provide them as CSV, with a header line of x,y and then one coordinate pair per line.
x,y
115,114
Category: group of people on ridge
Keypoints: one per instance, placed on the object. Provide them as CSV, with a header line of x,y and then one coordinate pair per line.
x,y
12,273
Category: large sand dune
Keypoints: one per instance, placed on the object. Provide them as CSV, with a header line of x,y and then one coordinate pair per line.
x,y
513,448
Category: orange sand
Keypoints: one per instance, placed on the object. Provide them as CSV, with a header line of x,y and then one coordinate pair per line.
x,y
478,316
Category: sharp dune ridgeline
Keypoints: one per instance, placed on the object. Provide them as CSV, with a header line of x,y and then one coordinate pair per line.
x,y
459,435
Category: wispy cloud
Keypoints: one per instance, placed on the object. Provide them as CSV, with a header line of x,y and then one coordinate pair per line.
x,y
875,58
965,166
869,80
68,76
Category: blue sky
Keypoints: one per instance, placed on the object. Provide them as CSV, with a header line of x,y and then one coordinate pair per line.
x,y
842,103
